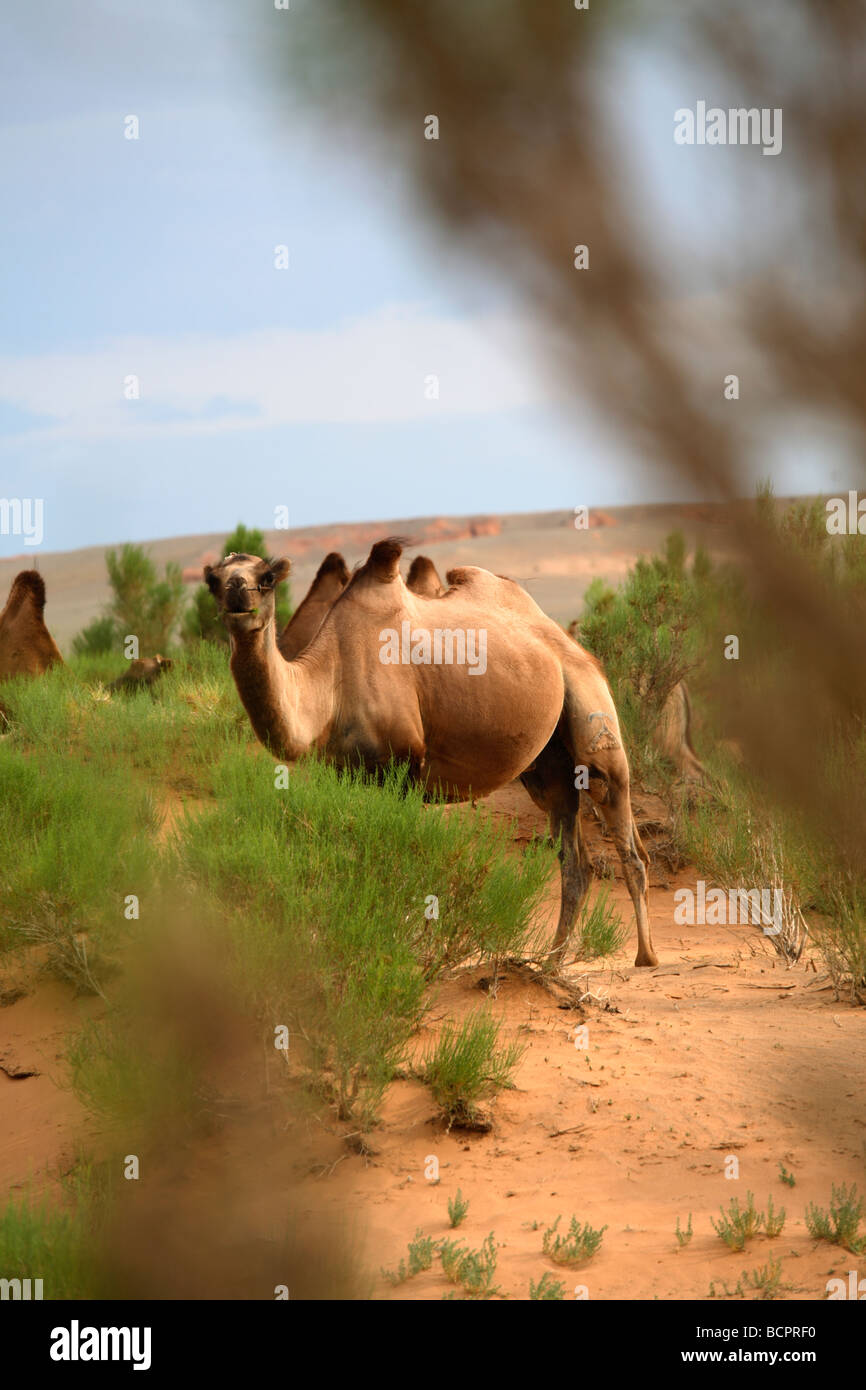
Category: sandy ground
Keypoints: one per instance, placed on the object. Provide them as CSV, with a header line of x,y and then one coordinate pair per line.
x,y
720,1053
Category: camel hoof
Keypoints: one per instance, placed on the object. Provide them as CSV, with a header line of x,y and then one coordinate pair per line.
x,y
648,961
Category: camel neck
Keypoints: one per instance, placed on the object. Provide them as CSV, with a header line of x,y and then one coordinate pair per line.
x,y
289,703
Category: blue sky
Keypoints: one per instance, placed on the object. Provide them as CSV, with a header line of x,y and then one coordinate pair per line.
x,y
260,387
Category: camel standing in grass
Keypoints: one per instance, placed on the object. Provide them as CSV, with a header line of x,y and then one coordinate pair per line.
x,y
366,690
26,645
331,579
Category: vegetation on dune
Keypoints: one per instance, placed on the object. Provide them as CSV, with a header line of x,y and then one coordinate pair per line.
x,y
672,619
329,902
330,881
77,844
153,609
467,1065
142,605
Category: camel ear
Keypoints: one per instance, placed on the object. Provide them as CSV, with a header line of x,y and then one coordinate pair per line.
x,y
383,561
281,569
211,579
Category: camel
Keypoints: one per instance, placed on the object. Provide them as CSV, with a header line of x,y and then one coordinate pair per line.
x,y
26,645
366,690
142,673
331,579
673,735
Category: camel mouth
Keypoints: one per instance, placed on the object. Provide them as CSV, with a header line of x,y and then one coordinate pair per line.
x,y
244,619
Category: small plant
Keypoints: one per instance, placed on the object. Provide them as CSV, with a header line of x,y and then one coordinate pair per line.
x,y
472,1269
841,1225
421,1251
580,1244
457,1208
547,1289
600,930
774,1221
466,1066
738,1225
787,1178
683,1237
765,1281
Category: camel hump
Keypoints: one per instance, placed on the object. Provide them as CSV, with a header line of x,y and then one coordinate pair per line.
x,y
30,583
384,560
423,577
334,564
461,575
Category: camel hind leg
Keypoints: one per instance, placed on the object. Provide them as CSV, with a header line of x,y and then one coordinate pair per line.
x,y
591,734
550,783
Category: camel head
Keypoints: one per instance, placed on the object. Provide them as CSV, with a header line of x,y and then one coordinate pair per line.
x,y
244,588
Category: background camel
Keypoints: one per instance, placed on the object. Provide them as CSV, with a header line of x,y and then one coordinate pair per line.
x,y
541,710
26,645
673,735
143,672
331,579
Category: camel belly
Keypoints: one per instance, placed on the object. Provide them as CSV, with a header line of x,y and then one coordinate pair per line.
x,y
475,756
465,728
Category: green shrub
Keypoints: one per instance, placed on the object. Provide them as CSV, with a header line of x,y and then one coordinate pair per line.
x,y
466,1065
324,884
579,1244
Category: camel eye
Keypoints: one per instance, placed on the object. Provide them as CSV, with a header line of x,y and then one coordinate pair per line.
x,y
267,581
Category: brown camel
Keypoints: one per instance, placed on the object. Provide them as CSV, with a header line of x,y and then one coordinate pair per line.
x,y
331,579
380,681
673,735
142,673
26,645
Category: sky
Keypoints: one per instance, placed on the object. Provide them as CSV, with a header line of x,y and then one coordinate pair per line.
x,y
160,376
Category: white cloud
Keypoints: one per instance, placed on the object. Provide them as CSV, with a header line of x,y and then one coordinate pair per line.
x,y
371,369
